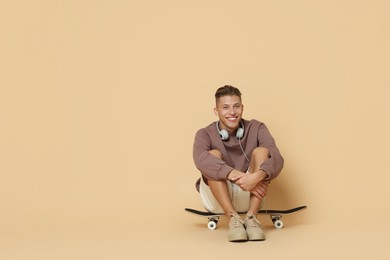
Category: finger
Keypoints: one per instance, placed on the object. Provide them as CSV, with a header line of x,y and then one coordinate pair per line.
x,y
239,181
261,191
263,187
260,187
260,194
244,188
264,184
265,191
257,195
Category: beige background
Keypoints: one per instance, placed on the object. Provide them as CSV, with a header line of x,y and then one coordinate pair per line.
x,y
100,100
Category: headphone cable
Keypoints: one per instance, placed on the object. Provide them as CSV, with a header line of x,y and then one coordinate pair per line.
x,y
242,149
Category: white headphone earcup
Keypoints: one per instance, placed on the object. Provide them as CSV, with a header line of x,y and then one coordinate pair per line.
x,y
240,133
224,134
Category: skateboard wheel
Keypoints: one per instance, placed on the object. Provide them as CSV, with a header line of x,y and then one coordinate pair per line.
x,y
278,224
212,225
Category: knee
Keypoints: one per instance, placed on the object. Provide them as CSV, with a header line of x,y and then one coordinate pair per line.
x,y
216,153
260,152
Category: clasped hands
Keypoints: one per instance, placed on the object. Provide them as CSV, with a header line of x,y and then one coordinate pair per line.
x,y
253,182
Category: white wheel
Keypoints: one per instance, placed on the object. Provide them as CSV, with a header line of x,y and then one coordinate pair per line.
x,y
278,224
212,225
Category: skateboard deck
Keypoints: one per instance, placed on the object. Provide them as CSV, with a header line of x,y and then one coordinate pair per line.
x,y
274,214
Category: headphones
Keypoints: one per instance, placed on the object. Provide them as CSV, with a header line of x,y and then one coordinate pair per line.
x,y
225,135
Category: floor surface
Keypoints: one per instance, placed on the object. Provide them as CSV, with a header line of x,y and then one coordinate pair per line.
x,y
185,236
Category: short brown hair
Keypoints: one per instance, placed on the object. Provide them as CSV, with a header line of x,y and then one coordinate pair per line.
x,y
227,90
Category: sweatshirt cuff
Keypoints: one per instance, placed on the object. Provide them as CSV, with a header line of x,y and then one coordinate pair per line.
x,y
224,172
267,171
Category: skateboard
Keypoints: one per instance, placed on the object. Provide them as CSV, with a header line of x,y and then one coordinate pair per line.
x,y
275,215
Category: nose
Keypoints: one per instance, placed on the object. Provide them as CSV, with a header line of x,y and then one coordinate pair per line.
x,y
232,111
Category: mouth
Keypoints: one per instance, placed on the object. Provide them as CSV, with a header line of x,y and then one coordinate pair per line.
x,y
231,119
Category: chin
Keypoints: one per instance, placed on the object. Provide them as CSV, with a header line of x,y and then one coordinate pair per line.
x,y
232,126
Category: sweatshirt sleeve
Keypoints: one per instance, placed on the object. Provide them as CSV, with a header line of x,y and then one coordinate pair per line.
x,y
274,164
210,166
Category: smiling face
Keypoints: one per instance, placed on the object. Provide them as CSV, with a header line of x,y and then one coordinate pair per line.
x,y
229,110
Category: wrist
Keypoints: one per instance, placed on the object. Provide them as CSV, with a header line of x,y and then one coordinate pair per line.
x,y
261,174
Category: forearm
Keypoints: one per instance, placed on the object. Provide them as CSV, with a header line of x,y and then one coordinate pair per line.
x,y
261,175
275,162
273,165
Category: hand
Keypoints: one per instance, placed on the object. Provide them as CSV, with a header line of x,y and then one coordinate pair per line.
x,y
235,175
261,190
248,182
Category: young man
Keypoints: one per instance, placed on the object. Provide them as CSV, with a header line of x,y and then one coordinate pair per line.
x,y
237,159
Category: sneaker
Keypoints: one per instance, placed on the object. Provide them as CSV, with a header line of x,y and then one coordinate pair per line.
x,y
237,230
255,233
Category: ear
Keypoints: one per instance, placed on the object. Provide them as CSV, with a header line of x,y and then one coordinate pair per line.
x,y
216,111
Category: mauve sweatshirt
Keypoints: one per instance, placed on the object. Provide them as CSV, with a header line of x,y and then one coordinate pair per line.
x,y
256,134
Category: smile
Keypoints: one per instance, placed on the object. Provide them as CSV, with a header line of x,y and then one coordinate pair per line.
x,y
232,118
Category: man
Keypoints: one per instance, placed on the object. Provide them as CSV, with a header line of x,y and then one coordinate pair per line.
x,y
237,159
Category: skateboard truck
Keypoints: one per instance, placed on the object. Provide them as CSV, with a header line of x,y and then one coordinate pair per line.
x,y
277,221
212,223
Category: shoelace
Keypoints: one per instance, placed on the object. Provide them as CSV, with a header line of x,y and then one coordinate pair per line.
x,y
251,221
236,221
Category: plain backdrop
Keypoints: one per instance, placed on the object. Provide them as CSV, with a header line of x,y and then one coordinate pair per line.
x,y
100,101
